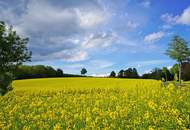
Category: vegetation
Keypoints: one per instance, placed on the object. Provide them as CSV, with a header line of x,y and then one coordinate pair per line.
x,y
128,73
39,71
178,50
83,71
94,103
91,103
112,74
13,53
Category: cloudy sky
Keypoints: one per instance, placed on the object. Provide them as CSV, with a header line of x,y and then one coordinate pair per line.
x,y
100,35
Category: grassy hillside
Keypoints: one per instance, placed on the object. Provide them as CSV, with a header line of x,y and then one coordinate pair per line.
x,y
94,103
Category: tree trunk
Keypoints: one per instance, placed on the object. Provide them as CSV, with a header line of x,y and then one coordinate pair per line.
x,y
179,72
166,77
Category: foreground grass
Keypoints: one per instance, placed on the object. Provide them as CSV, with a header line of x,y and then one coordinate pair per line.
x,y
94,103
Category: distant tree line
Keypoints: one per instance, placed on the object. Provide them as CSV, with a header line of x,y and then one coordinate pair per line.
x,y
128,73
157,73
39,71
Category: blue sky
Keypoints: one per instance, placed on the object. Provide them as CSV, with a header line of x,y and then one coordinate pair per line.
x,y
100,35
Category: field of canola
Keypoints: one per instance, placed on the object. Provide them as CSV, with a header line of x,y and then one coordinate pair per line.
x,y
94,103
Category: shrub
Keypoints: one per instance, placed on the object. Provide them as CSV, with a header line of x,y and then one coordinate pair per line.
x,y
5,82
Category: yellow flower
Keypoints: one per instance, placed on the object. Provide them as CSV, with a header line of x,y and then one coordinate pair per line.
x,y
152,105
113,115
26,128
179,121
146,115
171,87
150,128
62,114
57,127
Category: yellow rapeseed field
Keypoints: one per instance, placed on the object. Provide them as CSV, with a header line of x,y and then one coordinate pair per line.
x,y
94,103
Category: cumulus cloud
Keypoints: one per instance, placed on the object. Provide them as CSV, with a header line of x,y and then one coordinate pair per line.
x,y
55,30
99,40
88,19
154,36
43,17
169,18
183,18
69,56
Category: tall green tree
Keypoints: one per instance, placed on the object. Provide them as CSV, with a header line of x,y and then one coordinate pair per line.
x,y
179,51
13,52
83,71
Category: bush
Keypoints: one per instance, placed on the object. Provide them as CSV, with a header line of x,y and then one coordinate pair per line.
x,y
5,82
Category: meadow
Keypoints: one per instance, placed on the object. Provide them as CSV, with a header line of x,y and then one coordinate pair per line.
x,y
95,103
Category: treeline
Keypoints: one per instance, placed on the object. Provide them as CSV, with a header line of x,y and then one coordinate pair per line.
x,y
128,73
39,71
157,73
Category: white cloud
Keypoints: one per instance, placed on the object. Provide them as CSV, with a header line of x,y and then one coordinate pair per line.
x,y
100,75
89,19
169,18
101,64
66,55
92,66
140,64
44,17
185,17
41,17
99,40
56,31
146,3
154,36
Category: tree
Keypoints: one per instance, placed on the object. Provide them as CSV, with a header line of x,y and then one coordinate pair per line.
x,y
112,74
186,71
128,73
59,72
121,74
179,51
156,73
165,71
135,73
13,52
83,71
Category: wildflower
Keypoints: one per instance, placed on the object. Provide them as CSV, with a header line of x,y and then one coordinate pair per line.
x,y
150,128
57,127
152,105
146,115
26,128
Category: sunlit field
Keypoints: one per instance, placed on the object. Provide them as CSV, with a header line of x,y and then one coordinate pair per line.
x,y
94,103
